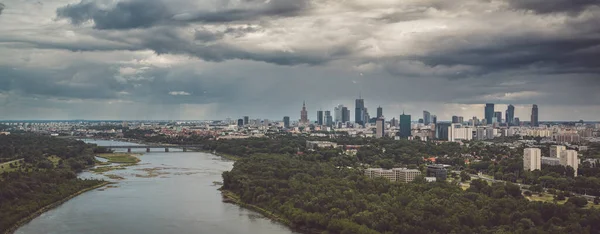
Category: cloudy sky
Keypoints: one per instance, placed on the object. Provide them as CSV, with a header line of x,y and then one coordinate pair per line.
x,y
212,59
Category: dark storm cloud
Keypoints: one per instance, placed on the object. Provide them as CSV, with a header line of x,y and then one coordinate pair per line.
x,y
1,8
130,14
553,6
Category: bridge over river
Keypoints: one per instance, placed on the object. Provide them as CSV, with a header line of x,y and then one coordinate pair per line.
x,y
148,147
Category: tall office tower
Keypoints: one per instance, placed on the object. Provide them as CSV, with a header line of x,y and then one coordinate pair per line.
x,y
240,122
510,115
532,159
246,120
455,119
498,116
489,113
320,117
441,131
380,125
328,119
345,114
569,158
405,126
379,112
366,116
426,117
359,111
337,113
534,116
394,122
303,114
556,150
286,122
461,119
434,119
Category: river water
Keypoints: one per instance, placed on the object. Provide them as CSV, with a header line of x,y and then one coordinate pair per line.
x,y
165,193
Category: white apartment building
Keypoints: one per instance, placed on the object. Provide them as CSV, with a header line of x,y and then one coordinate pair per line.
x,y
457,132
556,150
569,158
532,159
395,174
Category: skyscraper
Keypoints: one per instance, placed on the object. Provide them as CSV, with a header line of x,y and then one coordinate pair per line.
x,y
510,115
498,116
303,114
489,113
534,116
320,117
532,159
405,126
461,119
328,119
379,112
345,114
240,122
434,119
441,131
286,122
380,125
246,120
517,122
337,113
426,117
455,119
359,111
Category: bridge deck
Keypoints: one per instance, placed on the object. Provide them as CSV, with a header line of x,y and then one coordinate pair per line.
x,y
151,146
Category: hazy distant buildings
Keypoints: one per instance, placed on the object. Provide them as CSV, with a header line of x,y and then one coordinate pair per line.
x,y
337,113
455,119
441,131
328,119
304,114
517,122
240,122
405,126
246,120
345,115
534,116
434,119
426,117
532,159
489,113
380,127
498,116
461,119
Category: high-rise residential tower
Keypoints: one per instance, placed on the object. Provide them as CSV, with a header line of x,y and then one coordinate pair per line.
x,y
380,127
426,117
303,114
532,159
405,126
569,158
534,116
286,122
489,113
556,150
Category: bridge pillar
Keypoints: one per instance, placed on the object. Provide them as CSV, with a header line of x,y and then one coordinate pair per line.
x,y
147,150
166,149
184,149
128,150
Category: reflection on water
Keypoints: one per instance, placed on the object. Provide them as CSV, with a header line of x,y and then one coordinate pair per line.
x,y
166,193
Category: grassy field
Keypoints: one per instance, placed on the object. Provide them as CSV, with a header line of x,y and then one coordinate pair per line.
x,y
5,167
120,157
545,197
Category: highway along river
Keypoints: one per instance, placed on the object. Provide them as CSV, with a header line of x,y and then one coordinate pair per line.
x,y
165,193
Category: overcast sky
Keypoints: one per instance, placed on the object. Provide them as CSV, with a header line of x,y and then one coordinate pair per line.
x,y
213,59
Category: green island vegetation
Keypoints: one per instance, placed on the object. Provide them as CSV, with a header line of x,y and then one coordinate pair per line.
x,y
316,196
119,157
39,172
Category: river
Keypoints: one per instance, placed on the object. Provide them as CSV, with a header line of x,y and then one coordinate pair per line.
x,y
165,193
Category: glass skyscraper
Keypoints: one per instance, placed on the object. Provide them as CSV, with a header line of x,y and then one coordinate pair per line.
x,y
489,113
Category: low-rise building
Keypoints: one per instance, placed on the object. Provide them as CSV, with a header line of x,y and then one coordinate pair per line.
x,y
438,171
395,174
320,144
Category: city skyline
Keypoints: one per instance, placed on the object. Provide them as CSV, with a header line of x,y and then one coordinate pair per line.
x,y
98,59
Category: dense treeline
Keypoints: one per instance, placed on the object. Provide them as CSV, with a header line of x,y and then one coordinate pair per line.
x,y
37,181
320,196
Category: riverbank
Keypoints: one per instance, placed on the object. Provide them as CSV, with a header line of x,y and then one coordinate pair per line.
x,y
44,209
231,197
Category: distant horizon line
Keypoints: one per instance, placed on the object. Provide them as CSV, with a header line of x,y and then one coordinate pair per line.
x,y
175,120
